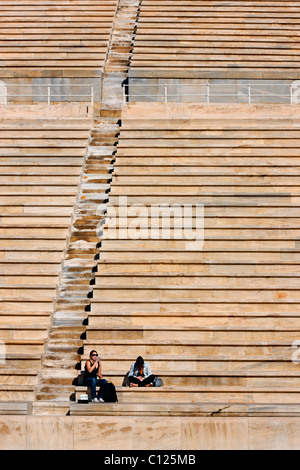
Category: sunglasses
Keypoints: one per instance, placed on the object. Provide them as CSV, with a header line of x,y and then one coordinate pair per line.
x,y
94,354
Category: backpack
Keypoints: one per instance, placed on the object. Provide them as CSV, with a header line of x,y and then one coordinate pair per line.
x,y
108,392
157,382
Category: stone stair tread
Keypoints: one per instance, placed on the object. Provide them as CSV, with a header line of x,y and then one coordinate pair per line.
x,y
15,407
22,327
24,341
113,341
188,358
185,409
188,328
8,370
12,387
212,388
213,373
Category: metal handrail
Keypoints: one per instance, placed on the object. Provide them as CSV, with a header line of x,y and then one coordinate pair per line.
x,y
252,91
49,94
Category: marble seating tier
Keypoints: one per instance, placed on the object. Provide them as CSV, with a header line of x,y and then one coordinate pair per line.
x,y
239,39
217,323
40,163
38,39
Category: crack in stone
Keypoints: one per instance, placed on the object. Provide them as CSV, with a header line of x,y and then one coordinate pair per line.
x,y
220,410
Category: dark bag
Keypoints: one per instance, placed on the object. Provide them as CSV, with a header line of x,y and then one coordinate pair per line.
x,y
108,392
157,382
126,382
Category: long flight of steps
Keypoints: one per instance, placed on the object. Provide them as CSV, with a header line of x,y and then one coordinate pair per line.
x,y
65,340
72,303
40,161
217,323
249,39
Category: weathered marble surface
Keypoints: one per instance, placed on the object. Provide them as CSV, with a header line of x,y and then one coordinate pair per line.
x,y
127,433
43,111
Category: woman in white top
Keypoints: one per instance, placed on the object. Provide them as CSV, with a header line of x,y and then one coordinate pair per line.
x,y
140,374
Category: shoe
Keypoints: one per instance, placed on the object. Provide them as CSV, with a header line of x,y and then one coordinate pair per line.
x,y
101,400
95,400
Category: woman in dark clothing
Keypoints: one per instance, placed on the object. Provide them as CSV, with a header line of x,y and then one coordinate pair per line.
x,y
93,377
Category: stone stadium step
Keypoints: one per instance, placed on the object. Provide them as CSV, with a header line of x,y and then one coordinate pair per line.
x,y
194,409
223,308
144,169
243,256
16,392
36,221
194,378
22,332
207,142
15,408
16,383
225,151
24,346
58,376
22,361
214,377
213,349
49,408
267,198
194,280
212,394
49,255
203,363
193,268
195,333
218,211
18,376
59,334
218,233
186,295
192,320
204,161
228,224
10,318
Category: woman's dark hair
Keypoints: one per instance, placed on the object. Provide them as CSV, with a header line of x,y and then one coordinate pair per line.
x,y
93,351
139,361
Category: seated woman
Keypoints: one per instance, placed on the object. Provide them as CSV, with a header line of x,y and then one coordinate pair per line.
x,y
93,377
140,374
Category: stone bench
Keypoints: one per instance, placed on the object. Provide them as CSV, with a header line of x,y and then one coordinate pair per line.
x,y
195,409
204,394
15,408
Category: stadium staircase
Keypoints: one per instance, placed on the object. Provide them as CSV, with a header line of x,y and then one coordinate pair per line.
x,y
62,350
